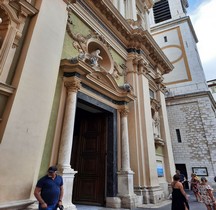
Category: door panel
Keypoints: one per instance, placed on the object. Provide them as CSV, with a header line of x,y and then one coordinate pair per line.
x,y
88,158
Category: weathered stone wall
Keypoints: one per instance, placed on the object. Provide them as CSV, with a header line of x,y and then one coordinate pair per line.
x,y
195,118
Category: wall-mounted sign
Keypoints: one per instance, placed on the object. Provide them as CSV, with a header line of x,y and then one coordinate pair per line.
x,y
200,171
160,170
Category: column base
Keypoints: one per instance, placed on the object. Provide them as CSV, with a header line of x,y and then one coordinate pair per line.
x,y
113,202
129,201
68,179
70,207
153,195
125,183
126,189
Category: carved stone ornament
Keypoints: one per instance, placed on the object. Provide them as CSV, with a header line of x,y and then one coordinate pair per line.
x,y
93,49
72,85
155,104
118,71
23,8
159,79
159,142
124,112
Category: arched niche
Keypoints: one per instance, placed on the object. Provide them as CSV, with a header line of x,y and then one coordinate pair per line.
x,y
107,63
4,24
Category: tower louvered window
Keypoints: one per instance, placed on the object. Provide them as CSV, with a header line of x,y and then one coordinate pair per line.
x,y
161,11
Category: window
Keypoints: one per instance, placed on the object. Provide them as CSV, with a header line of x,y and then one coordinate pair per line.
x,y
151,93
165,38
161,11
178,135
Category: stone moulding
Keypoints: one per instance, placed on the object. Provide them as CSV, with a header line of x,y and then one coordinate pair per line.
x,y
138,39
155,104
159,142
102,82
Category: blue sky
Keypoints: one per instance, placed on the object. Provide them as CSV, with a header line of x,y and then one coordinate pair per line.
x,y
203,17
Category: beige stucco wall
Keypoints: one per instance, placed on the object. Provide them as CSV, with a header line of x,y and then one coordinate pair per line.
x,y
23,141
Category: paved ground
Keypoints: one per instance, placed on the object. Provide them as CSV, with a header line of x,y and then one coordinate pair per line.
x,y
166,205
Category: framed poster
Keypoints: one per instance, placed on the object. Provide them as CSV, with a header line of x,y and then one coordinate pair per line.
x,y
200,171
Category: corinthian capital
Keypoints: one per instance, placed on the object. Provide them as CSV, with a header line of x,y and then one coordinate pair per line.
x,y
124,111
73,85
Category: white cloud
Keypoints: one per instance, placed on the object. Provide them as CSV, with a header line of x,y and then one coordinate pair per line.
x,y
204,22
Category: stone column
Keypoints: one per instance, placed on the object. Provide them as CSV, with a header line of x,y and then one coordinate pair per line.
x,y
131,10
72,85
121,7
125,175
125,141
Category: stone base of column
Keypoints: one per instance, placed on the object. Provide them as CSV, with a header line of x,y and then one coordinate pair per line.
x,y
139,192
129,201
113,202
126,189
153,195
125,183
68,179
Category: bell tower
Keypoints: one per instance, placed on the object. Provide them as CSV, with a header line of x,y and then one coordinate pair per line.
x,y
190,105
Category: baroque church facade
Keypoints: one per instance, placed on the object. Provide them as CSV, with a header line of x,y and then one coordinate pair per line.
x,y
82,88
83,85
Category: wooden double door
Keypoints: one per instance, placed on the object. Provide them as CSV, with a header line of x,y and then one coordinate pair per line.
x,y
89,158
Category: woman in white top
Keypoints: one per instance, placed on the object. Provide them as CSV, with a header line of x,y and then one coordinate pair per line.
x,y
206,193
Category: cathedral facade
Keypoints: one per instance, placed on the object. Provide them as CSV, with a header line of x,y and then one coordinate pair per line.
x,y
111,91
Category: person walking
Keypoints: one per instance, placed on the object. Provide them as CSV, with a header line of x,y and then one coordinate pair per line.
x,y
182,177
49,190
195,186
206,192
179,196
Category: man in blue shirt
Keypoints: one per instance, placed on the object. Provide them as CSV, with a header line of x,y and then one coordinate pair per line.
x,y
49,190
182,177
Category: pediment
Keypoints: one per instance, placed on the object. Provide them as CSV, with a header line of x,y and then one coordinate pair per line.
x,y
100,81
105,80
105,84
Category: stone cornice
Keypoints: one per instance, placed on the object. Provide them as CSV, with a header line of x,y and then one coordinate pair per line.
x,y
23,7
192,95
101,82
142,40
137,39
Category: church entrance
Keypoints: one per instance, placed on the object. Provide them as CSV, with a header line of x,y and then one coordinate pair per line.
x,y
89,155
